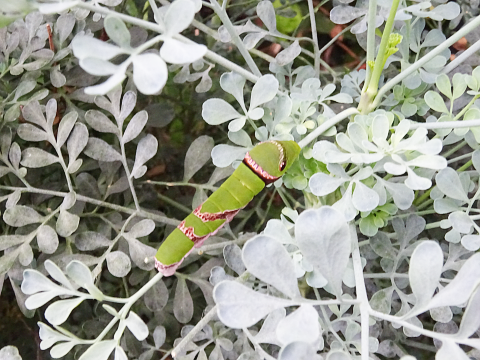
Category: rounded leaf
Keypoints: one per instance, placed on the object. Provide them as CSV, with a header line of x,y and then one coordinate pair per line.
x,y
150,73
118,263
58,312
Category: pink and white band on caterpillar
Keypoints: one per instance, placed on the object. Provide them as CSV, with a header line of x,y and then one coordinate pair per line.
x,y
228,215
169,270
257,169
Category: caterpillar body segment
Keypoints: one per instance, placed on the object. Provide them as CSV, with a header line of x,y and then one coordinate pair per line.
x,y
264,164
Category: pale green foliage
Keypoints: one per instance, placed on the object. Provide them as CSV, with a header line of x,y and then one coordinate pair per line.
x,y
382,238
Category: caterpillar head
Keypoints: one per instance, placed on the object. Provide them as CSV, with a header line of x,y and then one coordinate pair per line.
x,y
271,159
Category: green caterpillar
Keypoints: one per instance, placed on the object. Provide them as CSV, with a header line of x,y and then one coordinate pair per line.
x,y
264,164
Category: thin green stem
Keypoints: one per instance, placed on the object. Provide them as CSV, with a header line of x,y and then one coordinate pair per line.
x,y
426,58
372,14
180,183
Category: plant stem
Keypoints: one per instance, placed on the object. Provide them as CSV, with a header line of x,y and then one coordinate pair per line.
x,y
429,56
141,213
316,50
235,37
372,14
327,125
361,291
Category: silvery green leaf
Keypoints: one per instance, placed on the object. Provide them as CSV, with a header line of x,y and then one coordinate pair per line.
x,y
141,254
117,31
450,350
128,104
99,150
64,26
471,242
25,255
99,351
177,52
150,73
416,182
20,215
461,222
99,67
68,201
146,149
57,274
233,258
76,142
364,198
476,160
90,240
7,261
183,305
89,47
56,8
300,350
264,90
234,83
63,348
224,155
269,261
324,240
442,314
459,290
382,246
9,353
12,113
442,81
471,317
7,241
15,155
382,300
34,282
136,325
56,77
268,333
36,158
118,264
289,54
135,126
448,11
156,298
29,132
435,101
87,185
277,230
402,195
120,354
159,336
218,111
343,14
205,83
33,113
240,138
81,275
113,82
252,39
58,312
65,127
47,239
449,183
266,13
220,174
300,325
424,272
239,306
178,16
24,88
67,223
197,155
4,171
100,122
